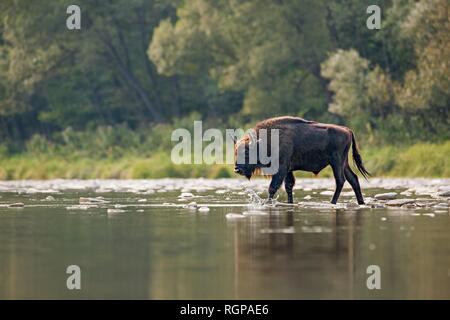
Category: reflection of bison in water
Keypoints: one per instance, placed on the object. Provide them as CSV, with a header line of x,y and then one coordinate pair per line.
x,y
307,146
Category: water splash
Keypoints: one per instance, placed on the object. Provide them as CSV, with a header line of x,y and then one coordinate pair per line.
x,y
255,202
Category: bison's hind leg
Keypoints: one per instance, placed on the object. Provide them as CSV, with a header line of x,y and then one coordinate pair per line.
x,y
289,183
337,164
352,178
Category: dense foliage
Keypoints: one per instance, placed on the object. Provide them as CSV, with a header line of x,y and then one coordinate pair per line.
x,y
139,64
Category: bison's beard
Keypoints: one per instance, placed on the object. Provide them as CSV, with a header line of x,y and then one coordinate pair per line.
x,y
258,171
254,171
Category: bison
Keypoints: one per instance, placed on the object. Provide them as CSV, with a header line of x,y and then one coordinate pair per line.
x,y
307,146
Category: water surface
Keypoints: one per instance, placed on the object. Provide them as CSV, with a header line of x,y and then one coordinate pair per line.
x,y
141,239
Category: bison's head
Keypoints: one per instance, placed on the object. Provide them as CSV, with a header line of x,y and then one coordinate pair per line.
x,y
245,152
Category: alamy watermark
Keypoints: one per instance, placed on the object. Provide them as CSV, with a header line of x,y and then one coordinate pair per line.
x,y
373,22
73,21
374,280
73,282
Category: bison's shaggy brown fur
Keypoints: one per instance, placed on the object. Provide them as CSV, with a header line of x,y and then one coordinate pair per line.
x,y
307,146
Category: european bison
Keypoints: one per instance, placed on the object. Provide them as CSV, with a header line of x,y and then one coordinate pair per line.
x,y
307,146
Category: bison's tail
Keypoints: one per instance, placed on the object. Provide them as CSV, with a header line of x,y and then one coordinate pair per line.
x,y
357,159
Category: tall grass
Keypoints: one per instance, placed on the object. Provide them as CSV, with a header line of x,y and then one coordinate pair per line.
x,y
419,160
119,152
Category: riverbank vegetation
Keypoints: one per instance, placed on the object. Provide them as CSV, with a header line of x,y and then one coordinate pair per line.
x,y
120,153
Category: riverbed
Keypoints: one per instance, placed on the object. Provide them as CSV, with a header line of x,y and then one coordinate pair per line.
x,y
219,239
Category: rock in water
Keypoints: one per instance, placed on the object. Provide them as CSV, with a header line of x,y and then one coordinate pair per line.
x,y
444,193
410,206
111,211
234,216
399,202
186,195
16,205
386,196
191,206
203,209
283,204
96,200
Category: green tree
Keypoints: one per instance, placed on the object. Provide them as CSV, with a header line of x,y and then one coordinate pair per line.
x,y
270,51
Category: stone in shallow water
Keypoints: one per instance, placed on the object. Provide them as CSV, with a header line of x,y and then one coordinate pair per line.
x,y
327,193
186,195
16,205
50,198
399,202
386,196
444,193
191,206
80,207
203,209
110,211
234,216
221,191
96,200
410,206
308,197
285,204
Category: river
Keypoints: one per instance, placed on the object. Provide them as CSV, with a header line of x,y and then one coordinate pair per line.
x,y
214,239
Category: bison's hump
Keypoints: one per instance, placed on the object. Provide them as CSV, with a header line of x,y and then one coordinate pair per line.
x,y
280,121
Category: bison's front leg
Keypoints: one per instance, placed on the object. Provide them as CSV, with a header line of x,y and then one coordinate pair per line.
x,y
289,183
275,184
